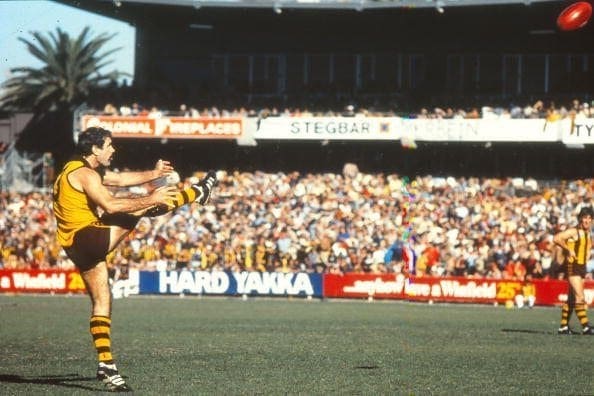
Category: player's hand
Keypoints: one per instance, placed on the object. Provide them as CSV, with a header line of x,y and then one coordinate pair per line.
x,y
163,167
165,196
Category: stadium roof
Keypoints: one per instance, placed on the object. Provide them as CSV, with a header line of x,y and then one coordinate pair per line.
x,y
358,5
137,11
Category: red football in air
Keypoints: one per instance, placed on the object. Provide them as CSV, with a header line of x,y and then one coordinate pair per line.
x,y
575,16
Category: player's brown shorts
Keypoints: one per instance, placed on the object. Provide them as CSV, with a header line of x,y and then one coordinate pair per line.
x,y
574,269
90,246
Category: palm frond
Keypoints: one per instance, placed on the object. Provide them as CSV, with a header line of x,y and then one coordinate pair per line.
x,y
71,68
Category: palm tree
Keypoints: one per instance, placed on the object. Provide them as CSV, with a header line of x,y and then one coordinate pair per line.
x,y
71,70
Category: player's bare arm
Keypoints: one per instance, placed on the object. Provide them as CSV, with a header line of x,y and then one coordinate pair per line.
x,y
90,182
123,179
561,239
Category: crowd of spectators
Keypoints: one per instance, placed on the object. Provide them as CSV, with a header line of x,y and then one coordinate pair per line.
x,y
539,109
336,223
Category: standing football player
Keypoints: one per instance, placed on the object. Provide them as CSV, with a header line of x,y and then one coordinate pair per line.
x,y
576,243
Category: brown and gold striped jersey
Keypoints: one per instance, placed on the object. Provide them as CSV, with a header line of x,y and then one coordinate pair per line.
x,y
581,247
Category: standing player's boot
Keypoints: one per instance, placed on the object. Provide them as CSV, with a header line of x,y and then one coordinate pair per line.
x,y
565,330
109,375
588,330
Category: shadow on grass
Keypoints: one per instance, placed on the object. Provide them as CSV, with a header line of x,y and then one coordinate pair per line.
x,y
66,380
526,331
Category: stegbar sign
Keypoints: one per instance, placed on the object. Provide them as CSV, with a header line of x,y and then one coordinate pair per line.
x,y
167,127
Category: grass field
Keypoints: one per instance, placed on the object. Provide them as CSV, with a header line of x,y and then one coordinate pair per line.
x,y
211,346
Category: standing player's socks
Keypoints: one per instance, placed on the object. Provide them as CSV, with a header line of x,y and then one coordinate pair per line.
x,y
106,370
564,325
580,311
564,315
100,327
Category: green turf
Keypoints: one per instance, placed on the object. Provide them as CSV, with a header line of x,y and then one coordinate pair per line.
x,y
210,346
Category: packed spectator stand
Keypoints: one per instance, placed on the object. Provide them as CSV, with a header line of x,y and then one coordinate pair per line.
x,y
539,108
333,223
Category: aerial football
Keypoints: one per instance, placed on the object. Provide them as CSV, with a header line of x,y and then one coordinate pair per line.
x,y
575,16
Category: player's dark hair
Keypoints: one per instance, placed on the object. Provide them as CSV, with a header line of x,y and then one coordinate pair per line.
x,y
93,136
586,211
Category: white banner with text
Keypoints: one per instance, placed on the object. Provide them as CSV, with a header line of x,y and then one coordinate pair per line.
x,y
570,131
394,128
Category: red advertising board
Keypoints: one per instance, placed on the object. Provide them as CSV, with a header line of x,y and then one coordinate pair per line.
x,y
167,127
476,290
40,281
204,128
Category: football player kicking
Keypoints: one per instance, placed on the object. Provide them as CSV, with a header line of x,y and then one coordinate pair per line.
x,y
87,238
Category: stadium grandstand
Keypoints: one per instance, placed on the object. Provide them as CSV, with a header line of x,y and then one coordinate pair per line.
x,y
319,115
425,153
447,58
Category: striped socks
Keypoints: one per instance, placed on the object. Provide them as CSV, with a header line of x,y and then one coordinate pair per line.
x,y
565,312
580,311
100,327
